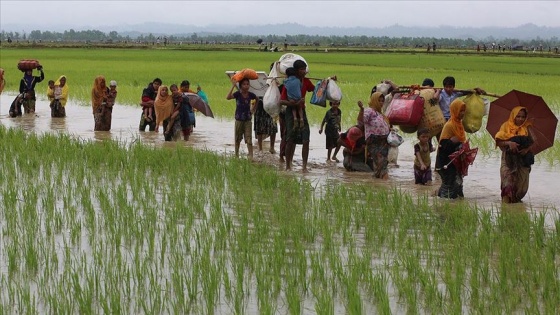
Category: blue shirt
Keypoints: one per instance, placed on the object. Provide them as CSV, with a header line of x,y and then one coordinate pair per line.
x,y
445,100
293,88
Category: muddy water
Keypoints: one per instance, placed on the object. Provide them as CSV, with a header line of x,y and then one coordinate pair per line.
x,y
481,185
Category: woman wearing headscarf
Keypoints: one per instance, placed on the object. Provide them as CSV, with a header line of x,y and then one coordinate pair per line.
x,y
377,128
99,97
515,140
163,105
451,139
2,80
27,88
354,152
60,94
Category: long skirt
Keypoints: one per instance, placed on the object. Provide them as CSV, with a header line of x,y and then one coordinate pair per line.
x,y
451,183
57,110
514,178
103,119
355,163
378,150
264,124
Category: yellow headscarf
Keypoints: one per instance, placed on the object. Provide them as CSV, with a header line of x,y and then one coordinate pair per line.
x,y
64,95
376,105
510,129
98,92
163,105
454,126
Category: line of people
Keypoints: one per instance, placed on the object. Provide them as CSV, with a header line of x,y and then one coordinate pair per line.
x,y
365,145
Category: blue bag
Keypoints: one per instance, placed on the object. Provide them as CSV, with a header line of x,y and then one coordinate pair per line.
x,y
319,96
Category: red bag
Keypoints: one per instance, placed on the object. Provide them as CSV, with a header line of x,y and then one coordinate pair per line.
x,y
406,109
28,64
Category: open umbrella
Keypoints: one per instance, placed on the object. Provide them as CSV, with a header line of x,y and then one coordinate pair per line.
x,y
462,158
544,120
197,102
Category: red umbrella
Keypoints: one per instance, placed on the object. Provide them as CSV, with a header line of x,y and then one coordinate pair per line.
x,y
462,158
544,121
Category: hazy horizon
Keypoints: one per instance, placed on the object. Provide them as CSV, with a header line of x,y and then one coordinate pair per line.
x,y
51,15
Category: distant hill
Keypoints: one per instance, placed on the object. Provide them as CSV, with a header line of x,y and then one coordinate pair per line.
x,y
522,32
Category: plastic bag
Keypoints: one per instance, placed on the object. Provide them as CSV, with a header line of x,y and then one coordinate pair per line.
x,y
271,99
287,61
473,113
394,139
319,96
334,94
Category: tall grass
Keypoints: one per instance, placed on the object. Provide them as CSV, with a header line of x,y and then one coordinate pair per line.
x,y
106,227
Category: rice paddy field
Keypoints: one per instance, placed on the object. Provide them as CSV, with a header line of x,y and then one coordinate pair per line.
x,y
112,227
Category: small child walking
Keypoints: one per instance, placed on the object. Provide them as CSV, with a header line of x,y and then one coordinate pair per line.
x,y
422,161
293,89
332,120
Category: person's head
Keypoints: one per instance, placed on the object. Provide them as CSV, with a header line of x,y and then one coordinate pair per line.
x,y
244,84
301,68
62,81
457,109
428,82
173,88
185,85
99,82
334,104
449,85
291,71
163,90
113,85
28,72
51,84
519,115
376,101
156,83
423,135
354,133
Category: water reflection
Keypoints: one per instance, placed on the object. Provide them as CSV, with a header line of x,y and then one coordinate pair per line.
x,y
481,186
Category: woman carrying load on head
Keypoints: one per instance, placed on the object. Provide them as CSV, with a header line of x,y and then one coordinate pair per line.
x,y
377,128
27,89
451,139
100,104
516,155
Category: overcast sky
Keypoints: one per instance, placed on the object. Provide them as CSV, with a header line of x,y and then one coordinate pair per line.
x,y
82,14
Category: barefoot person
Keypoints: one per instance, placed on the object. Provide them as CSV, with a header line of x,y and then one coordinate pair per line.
x,y
297,135
245,104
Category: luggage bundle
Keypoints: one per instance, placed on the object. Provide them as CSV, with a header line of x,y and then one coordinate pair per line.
x,y
406,110
475,110
244,74
28,64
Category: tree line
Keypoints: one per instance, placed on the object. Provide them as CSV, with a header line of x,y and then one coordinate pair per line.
x,y
276,40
